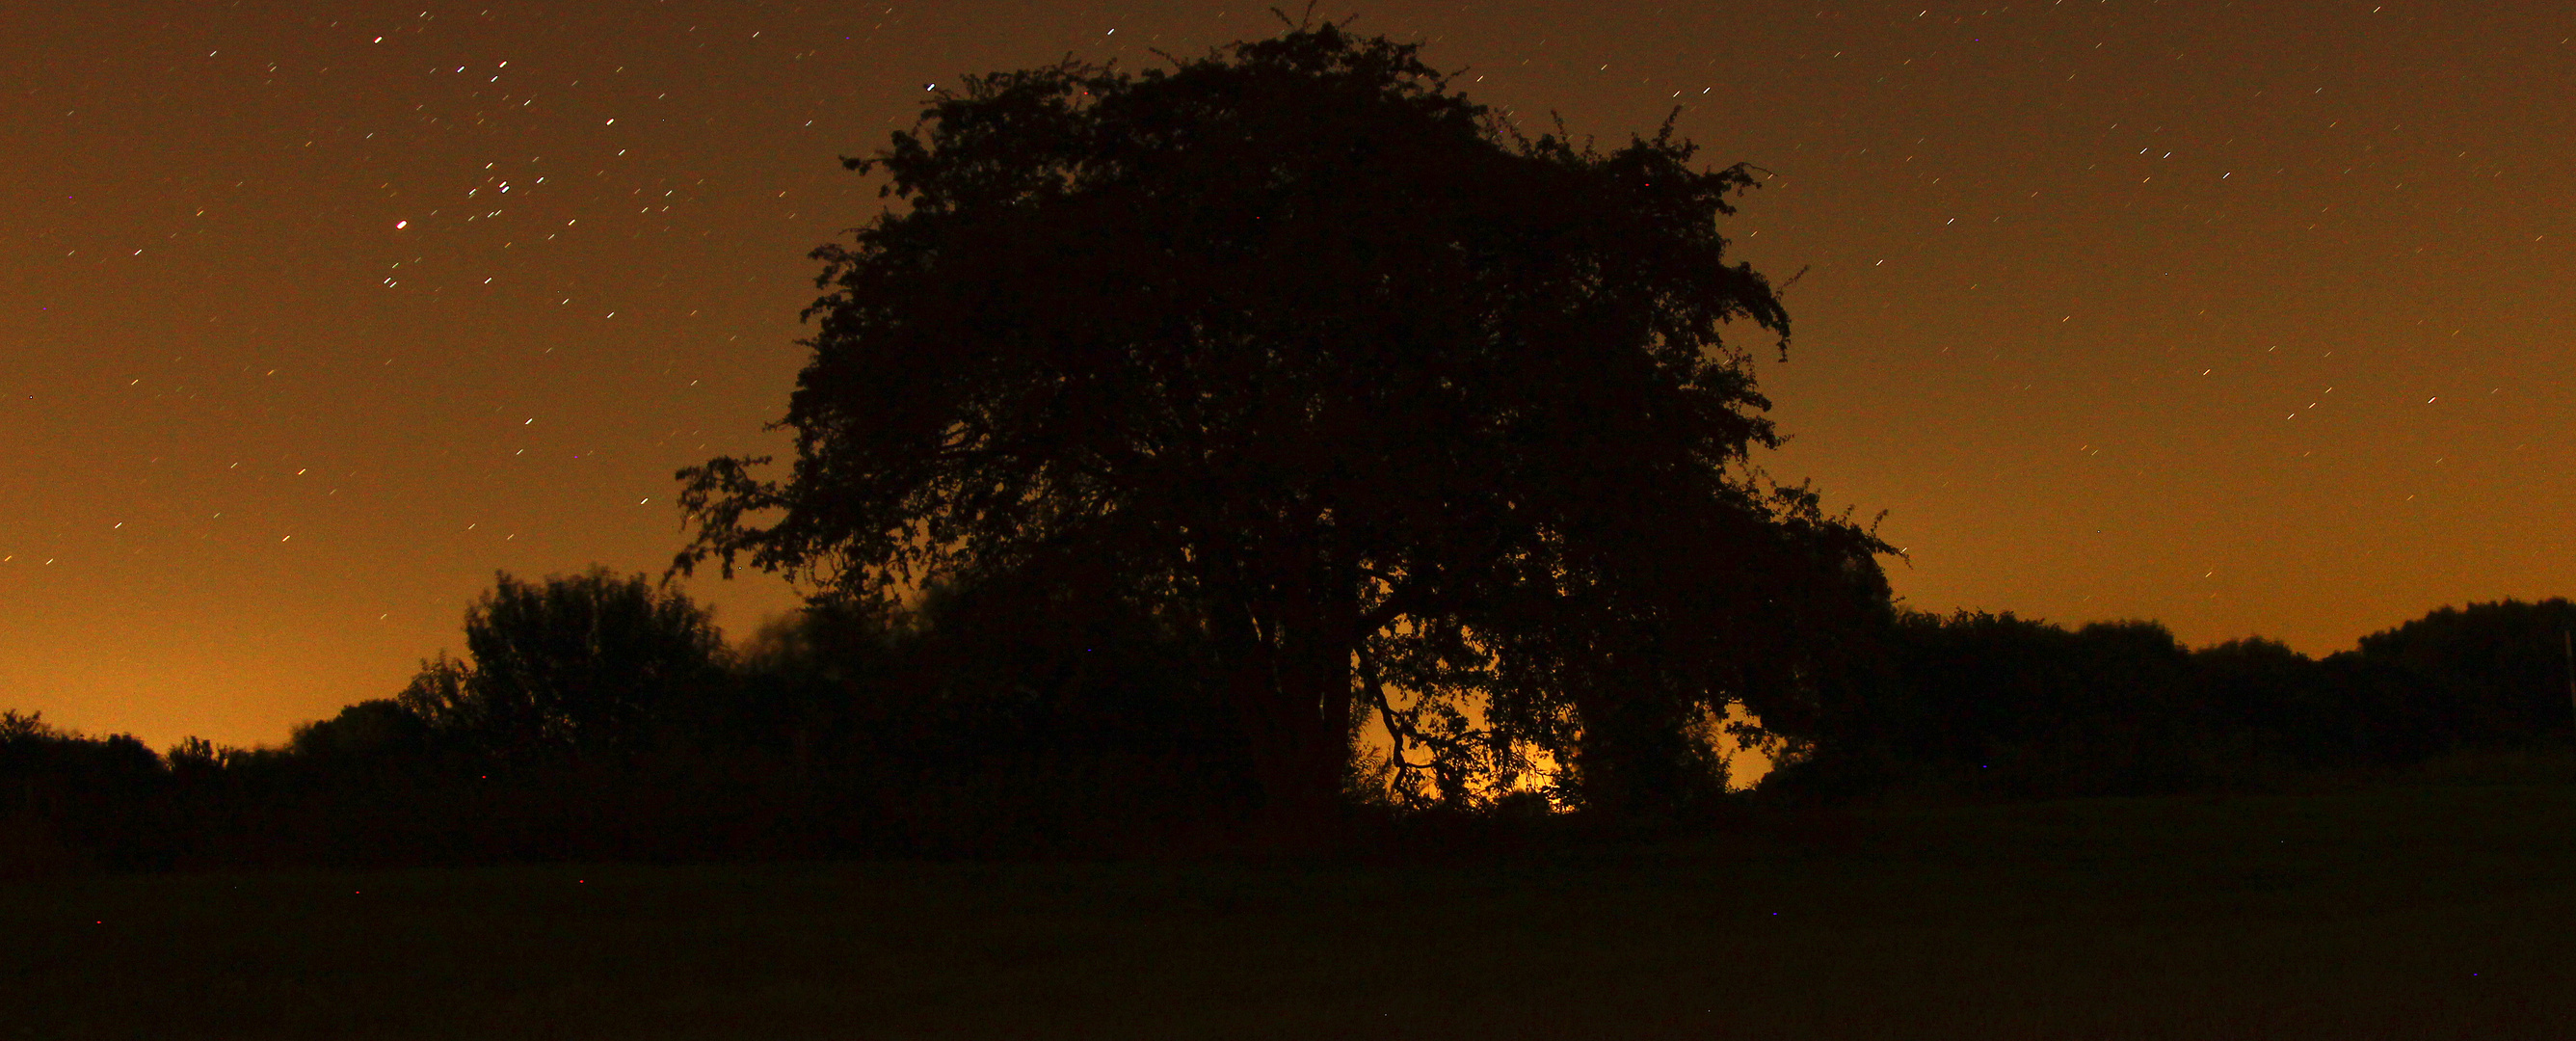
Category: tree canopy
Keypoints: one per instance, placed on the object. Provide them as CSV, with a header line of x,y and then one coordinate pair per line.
x,y
1394,406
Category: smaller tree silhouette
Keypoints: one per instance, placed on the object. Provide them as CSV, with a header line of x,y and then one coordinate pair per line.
x,y
573,662
367,729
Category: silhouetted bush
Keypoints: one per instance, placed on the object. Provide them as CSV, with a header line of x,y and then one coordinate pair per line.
x,y
577,662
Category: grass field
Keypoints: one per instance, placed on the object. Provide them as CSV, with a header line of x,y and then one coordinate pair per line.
x,y
2423,910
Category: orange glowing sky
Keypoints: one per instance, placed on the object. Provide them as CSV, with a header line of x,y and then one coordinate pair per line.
x,y
2250,318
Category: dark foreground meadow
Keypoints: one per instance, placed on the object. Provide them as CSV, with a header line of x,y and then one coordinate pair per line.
x,y
2435,908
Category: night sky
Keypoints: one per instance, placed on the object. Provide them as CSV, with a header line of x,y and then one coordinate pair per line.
x,y
2250,318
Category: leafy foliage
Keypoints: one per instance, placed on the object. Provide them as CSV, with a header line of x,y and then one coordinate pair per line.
x,y
1341,373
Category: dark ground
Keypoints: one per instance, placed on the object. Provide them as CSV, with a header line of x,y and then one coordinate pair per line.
x,y
2432,908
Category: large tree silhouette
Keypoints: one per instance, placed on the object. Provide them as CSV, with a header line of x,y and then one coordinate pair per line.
x,y
1360,383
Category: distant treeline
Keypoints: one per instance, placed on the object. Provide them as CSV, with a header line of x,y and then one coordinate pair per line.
x,y
1997,706
599,717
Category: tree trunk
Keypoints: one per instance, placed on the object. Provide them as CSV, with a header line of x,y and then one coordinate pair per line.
x,y
1283,614
1288,673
